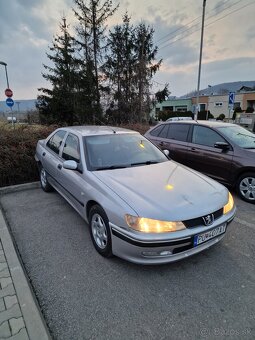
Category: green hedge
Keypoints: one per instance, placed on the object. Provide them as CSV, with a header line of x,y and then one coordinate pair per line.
x,y
17,150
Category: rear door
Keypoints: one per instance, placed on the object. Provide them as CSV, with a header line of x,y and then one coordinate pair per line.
x,y
204,157
50,155
173,137
71,181
177,141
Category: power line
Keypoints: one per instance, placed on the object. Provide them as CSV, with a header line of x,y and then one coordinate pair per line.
x,y
193,26
236,10
181,28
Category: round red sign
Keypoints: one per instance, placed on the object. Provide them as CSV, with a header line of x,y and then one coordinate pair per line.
x,y
8,93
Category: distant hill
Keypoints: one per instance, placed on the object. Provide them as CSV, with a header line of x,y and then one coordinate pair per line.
x,y
223,88
21,106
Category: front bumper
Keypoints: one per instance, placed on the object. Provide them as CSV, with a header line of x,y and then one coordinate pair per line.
x,y
141,250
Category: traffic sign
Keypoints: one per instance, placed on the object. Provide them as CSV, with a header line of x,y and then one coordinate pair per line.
x,y
231,98
8,93
9,102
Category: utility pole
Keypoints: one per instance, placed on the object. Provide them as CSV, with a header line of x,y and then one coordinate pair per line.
x,y
200,59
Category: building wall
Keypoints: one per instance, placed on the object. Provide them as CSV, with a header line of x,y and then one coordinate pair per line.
x,y
219,104
175,104
248,97
203,102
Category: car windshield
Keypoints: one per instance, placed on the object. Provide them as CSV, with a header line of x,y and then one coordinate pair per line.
x,y
120,151
240,136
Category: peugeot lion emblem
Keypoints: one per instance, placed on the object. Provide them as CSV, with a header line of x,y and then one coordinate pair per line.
x,y
208,219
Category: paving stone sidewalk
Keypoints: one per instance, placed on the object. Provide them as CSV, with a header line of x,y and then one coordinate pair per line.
x,y
20,315
12,325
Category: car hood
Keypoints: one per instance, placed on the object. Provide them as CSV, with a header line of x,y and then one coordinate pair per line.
x,y
165,191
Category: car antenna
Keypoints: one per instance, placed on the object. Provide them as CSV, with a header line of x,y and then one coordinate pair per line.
x,y
105,125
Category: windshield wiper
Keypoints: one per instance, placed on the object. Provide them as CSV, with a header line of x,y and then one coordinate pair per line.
x,y
243,134
111,167
145,163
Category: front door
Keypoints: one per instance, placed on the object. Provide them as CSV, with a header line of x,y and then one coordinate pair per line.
x,y
204,157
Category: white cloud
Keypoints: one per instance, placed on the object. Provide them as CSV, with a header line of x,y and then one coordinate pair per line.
x,y
27,28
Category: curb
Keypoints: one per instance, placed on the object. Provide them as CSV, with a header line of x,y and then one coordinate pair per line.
x,y
19,187
35,323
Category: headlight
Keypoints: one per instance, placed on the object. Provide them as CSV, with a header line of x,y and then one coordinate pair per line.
x,y
229,206
147,225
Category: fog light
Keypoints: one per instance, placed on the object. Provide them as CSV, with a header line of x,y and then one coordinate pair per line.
x,y
165,252
157,253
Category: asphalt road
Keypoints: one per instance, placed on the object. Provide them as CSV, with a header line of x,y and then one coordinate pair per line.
x,y
84,296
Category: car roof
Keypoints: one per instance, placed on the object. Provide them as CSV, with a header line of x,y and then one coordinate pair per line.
x,y
94,130
213,124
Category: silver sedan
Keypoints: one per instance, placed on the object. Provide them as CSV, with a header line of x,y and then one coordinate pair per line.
x,y
139,205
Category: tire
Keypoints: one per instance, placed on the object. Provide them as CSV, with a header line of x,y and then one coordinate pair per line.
x,y
246,187
45,185
100,231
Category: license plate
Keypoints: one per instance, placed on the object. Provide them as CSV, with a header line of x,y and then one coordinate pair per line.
x,y
201,238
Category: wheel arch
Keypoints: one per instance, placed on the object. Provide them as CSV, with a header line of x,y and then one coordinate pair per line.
x,y
89,205
242,172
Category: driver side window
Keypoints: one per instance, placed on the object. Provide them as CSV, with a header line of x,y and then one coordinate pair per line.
x,y
71,149
205,136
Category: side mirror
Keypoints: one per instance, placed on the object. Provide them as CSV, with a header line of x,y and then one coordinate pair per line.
x,y
222,145
70,165
166,152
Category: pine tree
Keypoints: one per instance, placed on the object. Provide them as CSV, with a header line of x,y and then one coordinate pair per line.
x,y
129,68
92,16
146,67
119,69
57,104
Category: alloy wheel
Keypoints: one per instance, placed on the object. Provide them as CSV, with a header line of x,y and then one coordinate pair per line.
x,y
247,188
99,231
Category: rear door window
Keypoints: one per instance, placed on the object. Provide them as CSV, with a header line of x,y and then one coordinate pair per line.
x,y
54,143
155,132
163,132
178,132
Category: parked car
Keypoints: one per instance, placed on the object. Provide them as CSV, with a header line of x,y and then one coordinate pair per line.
x,y
173,119
139,205
223,151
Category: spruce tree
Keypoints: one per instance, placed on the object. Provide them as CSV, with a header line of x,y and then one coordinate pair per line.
x,y
92,16
56,105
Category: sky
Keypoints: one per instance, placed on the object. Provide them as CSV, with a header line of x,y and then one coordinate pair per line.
x,y
28,26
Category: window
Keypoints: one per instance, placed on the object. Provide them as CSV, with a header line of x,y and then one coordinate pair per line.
x,y
55,141
163,132
202,107
178,132
205,136
218,104
236,105
181,108
155,132
71,149
168,108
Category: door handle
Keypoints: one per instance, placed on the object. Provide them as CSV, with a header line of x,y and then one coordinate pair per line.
x,y
193,150
44,153
161,143
59,166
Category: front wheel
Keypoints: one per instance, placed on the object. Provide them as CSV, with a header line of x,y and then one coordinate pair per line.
x,y
45,185
100,231
246,187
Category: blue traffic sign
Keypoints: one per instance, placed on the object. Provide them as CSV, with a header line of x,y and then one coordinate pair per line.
x,y
9,102
231,98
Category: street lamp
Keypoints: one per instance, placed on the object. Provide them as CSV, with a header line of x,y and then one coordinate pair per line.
x,y
5,66
7,81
